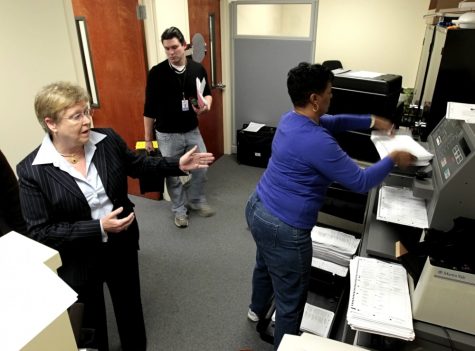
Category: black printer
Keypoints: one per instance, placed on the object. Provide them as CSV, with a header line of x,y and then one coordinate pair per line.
x,y
363,92
366,92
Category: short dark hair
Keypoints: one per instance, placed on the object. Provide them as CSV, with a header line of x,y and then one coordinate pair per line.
x,y
306,79
173,32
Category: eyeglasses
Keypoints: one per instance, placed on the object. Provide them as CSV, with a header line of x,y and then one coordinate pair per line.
x,y
77,117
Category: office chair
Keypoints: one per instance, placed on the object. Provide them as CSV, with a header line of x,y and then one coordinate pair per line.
x,y
332,64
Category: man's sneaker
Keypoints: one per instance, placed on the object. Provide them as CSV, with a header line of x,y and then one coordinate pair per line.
x,y
203,209
181,221
252,316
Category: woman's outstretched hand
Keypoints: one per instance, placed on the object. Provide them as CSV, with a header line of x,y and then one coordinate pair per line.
x,y
193,160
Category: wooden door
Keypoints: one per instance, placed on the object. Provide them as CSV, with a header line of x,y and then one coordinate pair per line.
x,y
117,45
211,123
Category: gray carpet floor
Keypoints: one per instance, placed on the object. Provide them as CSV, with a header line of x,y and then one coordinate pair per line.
x,y
196,282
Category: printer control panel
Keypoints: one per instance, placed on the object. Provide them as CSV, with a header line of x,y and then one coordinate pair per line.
x,y
450,146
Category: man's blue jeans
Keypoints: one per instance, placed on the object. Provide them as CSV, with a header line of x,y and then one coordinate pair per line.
x,y
283,264
175,145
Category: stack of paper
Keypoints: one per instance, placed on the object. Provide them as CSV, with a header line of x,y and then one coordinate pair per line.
x,y
379,299
399,205
315,320
386,144
332,250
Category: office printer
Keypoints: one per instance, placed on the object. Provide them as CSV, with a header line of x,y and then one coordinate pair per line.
x,y
363,92
445,291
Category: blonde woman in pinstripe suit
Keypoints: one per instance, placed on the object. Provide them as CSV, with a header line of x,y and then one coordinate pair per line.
x,y
73,192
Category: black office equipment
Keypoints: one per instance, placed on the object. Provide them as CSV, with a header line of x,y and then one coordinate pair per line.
x,y
446,73
366,92
254,148
361,92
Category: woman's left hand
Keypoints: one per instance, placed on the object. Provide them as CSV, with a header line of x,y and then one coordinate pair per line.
x,y
192,160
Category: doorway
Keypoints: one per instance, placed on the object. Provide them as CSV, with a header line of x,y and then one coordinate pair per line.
x,y
117,47
204,18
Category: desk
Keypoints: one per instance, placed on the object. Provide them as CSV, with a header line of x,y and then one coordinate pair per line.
x,y
33,298
310,342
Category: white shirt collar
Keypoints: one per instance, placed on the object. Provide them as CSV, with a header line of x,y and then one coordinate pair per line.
x,y
48,153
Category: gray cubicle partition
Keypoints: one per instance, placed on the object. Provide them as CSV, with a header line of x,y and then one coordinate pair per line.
x,y
260,66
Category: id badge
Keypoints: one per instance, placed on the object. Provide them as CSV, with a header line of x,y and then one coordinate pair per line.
x,y
184,105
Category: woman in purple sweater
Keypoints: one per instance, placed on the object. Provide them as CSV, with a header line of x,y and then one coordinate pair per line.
x,y
305,160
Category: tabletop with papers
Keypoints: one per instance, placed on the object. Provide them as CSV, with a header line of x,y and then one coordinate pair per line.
x,y
310,342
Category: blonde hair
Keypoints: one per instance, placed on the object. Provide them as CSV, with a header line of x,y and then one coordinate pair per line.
x,y
54,98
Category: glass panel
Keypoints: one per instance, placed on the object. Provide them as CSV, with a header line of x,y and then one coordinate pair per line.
x,y
280,20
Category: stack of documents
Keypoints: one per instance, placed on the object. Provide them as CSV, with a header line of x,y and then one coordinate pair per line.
x,y
399,205
379,299
332,250
385,144
315,320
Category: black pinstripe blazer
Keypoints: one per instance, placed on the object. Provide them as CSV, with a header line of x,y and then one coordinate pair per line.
x,y
10,212
58,215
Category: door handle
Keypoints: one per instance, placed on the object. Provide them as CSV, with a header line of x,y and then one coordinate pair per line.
x,y
220,86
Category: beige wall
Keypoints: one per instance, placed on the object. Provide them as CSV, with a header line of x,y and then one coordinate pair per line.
x,y
38,45
373,35
162,14
274,19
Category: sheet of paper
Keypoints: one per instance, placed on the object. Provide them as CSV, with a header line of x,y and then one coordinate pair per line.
x,y
340,70
253,127
200,87
458,110
386,144
364,74
329,267
398,205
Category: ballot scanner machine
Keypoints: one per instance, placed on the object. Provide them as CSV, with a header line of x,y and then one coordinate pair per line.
x,y
442,297
448,184
445,291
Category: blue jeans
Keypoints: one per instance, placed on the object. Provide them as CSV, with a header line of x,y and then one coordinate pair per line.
x,y
282,270
175,145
